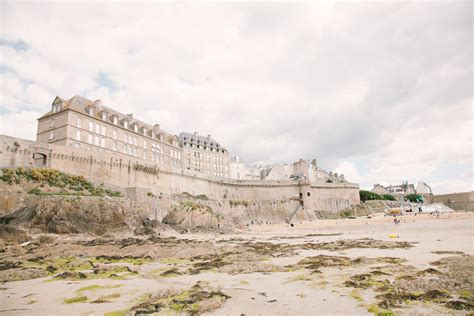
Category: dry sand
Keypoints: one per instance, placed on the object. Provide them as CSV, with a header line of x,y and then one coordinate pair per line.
x,y
260,279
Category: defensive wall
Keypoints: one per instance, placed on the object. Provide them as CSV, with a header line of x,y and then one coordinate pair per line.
x,y
132,174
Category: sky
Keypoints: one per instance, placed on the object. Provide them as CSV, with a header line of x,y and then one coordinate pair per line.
x,y
378,91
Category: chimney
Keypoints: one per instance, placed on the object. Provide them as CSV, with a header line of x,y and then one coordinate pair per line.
x,y
130,116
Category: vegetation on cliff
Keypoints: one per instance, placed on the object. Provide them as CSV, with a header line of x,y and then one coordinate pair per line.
x,y
68,184
370,196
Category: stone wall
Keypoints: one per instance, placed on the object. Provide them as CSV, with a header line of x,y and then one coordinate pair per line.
x,y
126,172
457,201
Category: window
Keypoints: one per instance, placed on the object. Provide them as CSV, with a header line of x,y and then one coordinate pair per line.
x,y
144,144
103,142
97,128
51,135
104,116
91,127
96,140
114,134
103,130
78,135
89,139
308,193
51,123
79,122
91,111
135,128
125,124
114,120
136,141
144,154
144,131
114,145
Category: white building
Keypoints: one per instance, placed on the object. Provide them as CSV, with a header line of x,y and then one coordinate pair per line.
x,y
240,171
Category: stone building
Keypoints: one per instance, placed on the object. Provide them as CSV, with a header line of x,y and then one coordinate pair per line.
x,y
402,189
301,170
85,124
423,188
204,155
240,171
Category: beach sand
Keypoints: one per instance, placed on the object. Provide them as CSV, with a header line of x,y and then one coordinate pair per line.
x,y
308,269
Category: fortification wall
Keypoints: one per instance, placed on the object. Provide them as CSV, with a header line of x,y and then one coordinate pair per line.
x,y
126,171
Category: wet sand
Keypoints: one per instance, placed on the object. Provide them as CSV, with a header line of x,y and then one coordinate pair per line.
x,y
313,268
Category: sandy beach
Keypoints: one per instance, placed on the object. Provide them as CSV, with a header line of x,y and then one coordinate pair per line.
x,y
326,267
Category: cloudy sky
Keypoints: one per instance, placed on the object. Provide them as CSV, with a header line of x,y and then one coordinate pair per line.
x,y
381,92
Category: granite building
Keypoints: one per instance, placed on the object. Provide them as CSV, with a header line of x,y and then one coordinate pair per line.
x,y
82,123
203,154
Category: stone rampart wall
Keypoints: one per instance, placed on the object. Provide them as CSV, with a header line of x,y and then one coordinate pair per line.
x,y
126,172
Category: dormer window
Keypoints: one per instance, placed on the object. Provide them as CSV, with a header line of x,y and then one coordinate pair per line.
x,y
144,131
57,108
125,124
90,111
104,116
135,128
115,120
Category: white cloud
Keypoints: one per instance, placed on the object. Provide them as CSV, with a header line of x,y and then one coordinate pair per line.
x,y
348,170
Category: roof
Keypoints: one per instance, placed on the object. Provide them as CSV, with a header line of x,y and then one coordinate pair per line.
x,y
196,139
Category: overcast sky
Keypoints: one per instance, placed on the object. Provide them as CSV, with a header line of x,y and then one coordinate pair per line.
x,y
381,92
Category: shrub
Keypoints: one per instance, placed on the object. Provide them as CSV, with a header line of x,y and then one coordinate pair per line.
x,y
238,202
35,191
202,197
369,196
346,213
389,197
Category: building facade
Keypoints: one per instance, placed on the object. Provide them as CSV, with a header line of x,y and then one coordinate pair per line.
x,y
204,155
301,170
82,123
240,171
402,189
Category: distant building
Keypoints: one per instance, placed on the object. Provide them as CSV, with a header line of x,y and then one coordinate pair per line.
x,y
379,189
402,189
240,171
301,170
204,155
423,188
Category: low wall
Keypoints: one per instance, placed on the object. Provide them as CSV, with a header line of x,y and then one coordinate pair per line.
x,y
130,172
457,201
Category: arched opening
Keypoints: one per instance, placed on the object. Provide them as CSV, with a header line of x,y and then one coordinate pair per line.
x,y
40,160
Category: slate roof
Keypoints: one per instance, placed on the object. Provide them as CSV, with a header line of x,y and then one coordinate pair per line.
x,y
196,139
